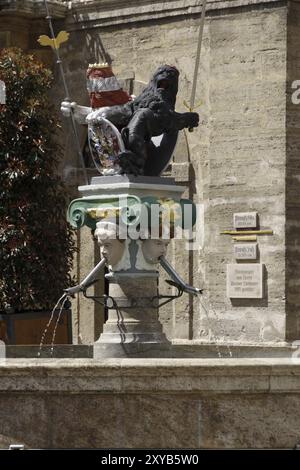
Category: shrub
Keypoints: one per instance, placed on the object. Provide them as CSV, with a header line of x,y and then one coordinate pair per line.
x,y
36,243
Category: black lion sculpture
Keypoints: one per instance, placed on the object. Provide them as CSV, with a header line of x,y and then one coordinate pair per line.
x,y
152,113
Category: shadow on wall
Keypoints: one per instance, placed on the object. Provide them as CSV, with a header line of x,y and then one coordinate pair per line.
x,y
96,50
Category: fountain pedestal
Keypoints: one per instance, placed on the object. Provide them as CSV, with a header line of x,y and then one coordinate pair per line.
x,y
133,327
134,219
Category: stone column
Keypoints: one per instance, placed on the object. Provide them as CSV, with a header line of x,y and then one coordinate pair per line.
x,y
133,327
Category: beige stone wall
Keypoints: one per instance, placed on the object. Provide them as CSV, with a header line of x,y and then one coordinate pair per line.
x,y
292,176
246,162
241,158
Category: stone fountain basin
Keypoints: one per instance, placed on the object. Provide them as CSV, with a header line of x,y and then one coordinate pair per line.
x,y
246,402
180,349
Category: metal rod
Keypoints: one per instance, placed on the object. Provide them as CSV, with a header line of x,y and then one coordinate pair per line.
x,y
247,238
178,280
198,53
247,232
88,280
59,62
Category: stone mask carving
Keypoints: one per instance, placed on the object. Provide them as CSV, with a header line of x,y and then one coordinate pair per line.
x,y
153,248
111,248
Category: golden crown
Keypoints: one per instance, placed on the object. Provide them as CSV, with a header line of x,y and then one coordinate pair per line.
x,y
104,65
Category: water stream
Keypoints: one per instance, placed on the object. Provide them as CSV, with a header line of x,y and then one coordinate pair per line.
x,y
61,301
206,306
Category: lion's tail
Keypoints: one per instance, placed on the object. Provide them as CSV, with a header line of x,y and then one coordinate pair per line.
x,y
125,136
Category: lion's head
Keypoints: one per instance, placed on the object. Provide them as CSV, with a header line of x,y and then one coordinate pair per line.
x,y
163,85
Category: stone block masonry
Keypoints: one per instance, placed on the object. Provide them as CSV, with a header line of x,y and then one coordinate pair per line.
x,y
163,403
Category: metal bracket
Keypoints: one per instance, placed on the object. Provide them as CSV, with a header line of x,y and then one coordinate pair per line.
x,y
169,298
117,303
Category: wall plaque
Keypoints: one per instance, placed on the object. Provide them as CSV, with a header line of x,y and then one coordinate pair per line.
x,y
245,250
245,281
245,220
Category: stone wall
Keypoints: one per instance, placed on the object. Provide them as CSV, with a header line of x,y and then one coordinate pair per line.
x,y
166,403
246,162
292,192
242,158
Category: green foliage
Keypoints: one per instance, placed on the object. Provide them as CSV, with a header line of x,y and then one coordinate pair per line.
x,y
36,246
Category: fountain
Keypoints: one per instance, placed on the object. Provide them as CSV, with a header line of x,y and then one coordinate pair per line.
x,y
128,215
134,211
201,397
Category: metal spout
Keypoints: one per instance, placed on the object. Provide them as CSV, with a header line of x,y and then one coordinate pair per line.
x,y
177,279
87,281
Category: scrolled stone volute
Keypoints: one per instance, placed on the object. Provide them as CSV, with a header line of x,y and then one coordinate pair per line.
x,y
77,216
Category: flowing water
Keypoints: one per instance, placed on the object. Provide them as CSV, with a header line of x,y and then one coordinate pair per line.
x,y
57,322
206,306
62,300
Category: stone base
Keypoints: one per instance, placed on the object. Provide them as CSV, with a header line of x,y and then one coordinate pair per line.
x,y
132,179
150,403
132,331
